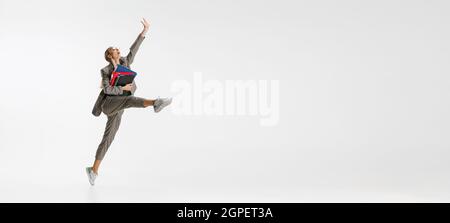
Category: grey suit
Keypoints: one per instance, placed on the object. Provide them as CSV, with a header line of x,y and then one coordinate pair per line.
x,y
112,103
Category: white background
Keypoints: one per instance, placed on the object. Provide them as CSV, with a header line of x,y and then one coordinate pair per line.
x,y
364,111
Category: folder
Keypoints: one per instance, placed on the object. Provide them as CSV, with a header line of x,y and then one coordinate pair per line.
x,y
122,76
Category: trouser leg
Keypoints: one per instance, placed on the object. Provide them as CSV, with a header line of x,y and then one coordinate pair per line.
x,y
112,125
114,104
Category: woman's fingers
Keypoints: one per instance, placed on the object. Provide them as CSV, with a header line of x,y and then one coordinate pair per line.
x,y
144,22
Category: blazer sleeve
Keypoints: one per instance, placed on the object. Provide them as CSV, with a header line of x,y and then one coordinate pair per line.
x,y
134,48
133,87
107,88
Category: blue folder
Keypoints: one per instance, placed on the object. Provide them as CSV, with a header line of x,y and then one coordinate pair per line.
x,y
122,76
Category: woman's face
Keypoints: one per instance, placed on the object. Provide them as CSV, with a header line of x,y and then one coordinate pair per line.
x,y
115,53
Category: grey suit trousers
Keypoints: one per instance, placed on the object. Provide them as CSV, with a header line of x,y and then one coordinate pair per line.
x,y
113,107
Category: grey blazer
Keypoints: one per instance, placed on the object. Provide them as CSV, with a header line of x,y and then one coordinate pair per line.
x,y
106,77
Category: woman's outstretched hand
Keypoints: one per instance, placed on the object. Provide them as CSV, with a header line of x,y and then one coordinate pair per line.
x,y
146,26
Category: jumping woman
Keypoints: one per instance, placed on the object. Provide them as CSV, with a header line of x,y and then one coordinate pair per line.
x,y
113,100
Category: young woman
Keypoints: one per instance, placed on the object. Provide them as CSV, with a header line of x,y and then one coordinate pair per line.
x,y
113,100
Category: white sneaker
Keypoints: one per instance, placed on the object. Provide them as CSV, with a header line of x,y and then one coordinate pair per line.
x,y
91,175
160,103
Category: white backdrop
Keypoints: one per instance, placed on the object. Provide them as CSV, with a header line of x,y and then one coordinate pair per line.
x,y
363,101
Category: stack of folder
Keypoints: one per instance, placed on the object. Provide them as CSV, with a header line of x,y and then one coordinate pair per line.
x,y
122,76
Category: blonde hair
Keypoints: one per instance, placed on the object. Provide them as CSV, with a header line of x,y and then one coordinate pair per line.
x,y
108,52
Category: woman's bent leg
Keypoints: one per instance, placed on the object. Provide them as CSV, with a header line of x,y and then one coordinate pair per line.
x,y
114,104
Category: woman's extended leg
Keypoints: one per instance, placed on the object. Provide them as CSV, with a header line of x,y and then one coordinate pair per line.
x,y
112,125
115,104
